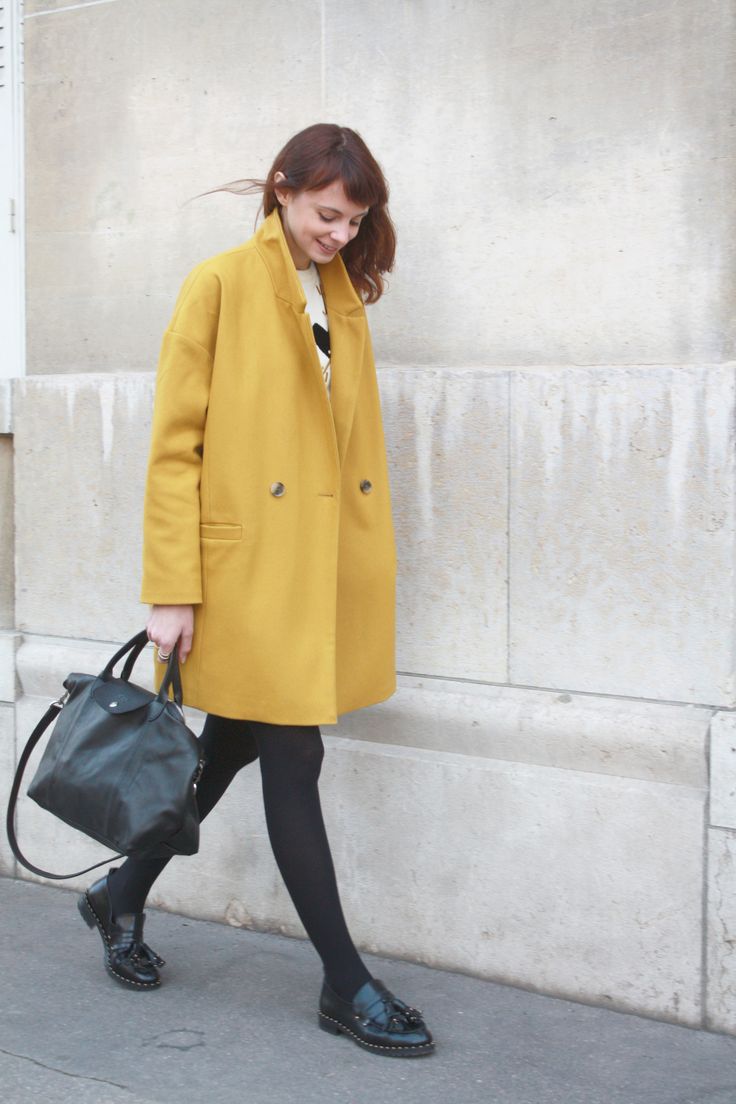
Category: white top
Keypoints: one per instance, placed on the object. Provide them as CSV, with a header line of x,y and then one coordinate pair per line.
x,y
317,312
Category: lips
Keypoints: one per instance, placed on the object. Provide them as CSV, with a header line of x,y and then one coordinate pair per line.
x,y
325,249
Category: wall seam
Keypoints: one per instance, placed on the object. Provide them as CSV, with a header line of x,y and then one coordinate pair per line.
x,y
609,695
706,878
509,385
69,7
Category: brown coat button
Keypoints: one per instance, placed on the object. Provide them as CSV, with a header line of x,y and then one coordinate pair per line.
x,y
277,489
366,486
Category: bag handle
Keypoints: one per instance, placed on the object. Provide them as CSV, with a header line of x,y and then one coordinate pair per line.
x,y
137,643
135,646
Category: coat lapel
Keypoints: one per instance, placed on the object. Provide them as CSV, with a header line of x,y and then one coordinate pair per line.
x,y
345,315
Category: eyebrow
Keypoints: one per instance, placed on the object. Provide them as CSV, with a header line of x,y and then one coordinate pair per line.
x,y
339,212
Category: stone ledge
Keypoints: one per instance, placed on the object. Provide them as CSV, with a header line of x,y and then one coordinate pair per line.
x,y
652,741
579,732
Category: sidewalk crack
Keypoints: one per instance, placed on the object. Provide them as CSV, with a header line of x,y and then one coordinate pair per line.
x,y
65,1073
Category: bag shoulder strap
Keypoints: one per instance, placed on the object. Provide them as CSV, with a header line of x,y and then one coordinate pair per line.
x,y
51,713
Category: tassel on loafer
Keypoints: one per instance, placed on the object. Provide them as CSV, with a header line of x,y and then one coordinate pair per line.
x,y
127,958
376,1020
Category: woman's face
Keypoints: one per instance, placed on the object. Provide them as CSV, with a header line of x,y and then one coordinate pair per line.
x,y
317,224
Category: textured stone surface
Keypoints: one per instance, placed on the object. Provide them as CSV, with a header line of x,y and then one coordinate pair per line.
x,y
81,448
622,531
447,440
721,1000
723,771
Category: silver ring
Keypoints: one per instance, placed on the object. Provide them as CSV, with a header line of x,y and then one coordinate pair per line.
x,y
163,657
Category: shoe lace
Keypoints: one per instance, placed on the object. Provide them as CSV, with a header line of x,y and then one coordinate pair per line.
x,y
142,953
397,1016
134,949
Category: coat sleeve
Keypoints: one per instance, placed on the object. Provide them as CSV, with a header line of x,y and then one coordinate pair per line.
x,y
171,510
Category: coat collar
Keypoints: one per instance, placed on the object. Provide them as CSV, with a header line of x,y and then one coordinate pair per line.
x,y
346,319
342,298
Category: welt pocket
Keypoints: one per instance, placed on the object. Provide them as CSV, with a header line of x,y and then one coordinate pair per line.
x,y
220,530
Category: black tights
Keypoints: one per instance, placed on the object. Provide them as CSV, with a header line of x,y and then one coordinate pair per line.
x,y
291,761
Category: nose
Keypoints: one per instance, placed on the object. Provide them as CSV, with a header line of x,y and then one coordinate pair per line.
x,y
340,235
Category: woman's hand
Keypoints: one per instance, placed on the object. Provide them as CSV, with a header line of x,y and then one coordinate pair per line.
x,y
167,624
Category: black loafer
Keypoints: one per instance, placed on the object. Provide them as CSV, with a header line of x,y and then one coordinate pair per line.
x,y
127,957
376,1020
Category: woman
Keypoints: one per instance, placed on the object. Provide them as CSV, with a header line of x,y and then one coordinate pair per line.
x,y
268,550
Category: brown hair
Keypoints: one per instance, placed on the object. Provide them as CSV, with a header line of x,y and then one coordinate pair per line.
x,y
312,159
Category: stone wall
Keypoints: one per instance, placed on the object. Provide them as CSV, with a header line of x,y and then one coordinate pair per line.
x,y
549,799
560,170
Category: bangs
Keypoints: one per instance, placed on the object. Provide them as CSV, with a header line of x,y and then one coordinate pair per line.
x,y
360,188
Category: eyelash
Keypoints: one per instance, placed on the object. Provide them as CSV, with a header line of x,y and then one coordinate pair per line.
x,y
325,219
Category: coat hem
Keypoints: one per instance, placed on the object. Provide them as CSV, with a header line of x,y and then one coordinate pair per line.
x,y
267,715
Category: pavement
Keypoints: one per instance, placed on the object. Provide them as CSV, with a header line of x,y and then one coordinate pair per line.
x,y
235,1021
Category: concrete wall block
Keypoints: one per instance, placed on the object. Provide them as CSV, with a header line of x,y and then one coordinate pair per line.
x,y
447,443
622,531
723,771
576,884
7,771
647,740
583,222
44,662
165,82
81,449
721,1000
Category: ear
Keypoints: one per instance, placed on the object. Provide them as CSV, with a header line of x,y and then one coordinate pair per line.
x,y
282,196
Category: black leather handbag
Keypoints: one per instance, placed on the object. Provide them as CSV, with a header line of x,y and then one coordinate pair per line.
x,y
120,765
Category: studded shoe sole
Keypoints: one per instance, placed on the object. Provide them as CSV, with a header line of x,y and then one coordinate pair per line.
x,y
376,1020
335,1027
91,919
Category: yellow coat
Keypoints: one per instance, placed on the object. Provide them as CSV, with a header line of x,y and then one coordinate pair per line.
x,y
267,505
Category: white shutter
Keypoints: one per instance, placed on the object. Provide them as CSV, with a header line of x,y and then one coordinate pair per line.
x,y
12,344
